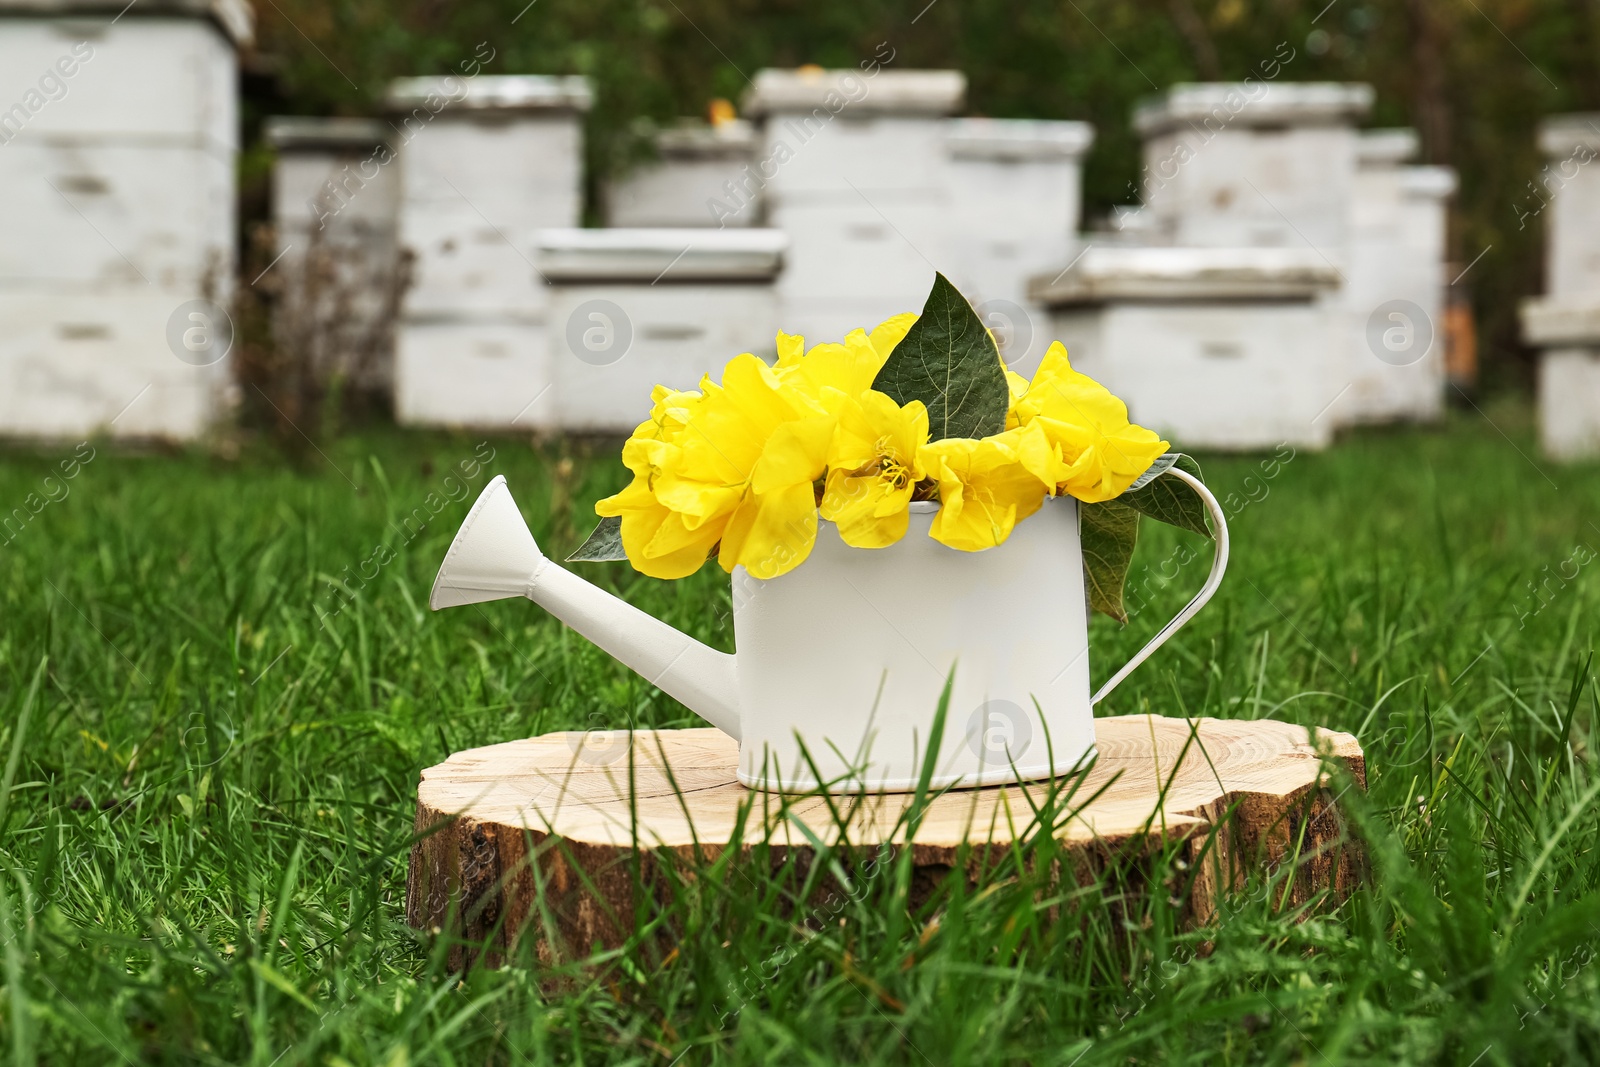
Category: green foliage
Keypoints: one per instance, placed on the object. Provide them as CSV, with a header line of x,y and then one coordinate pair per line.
x,y
203,842
1109,532
1160,496
949,361
603,545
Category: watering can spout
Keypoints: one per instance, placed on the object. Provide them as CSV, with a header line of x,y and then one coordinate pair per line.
x,y
495,557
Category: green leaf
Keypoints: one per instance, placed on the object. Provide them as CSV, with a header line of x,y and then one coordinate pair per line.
x,y
1109,531
949,361
1165,498
604,545
1161,466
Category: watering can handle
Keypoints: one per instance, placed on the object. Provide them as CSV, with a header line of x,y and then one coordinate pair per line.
x,y
1219,564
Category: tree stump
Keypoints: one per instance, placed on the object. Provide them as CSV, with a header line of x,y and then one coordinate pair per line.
x,y
486,819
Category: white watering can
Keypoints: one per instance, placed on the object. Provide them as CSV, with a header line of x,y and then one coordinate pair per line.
x,y
842,662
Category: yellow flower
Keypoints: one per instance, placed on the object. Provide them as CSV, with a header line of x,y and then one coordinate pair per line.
x,y
733,464
660,542
873,467
831,373
775,525
732,467
1075,435
984,490
1017,385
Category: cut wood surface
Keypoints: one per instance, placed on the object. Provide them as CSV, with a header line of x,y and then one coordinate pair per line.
x,y
1157,780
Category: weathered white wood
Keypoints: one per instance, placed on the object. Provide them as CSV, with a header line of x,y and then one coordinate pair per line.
x,y
631,309
336,196
97,214
117,171
474,371
338,174
171,78
660,255
694,182
484,163
1397,252
855,263
83,362
1569,402
1263,163
1213,348
856,170
1565,197
1565,323
1015,198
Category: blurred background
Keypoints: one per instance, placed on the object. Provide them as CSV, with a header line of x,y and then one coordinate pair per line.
x,y
1473,79
376,205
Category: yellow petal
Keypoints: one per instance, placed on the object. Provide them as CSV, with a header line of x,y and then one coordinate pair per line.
x,y
771,533
797,452
984,490
635,496
868,511
641,529
891,332
791,346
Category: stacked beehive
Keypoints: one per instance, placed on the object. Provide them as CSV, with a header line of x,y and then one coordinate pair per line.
x,y
700,178
1016,194
485,162
1253,189
118,137
853,166
634,308
335,204
1565,323
1395,287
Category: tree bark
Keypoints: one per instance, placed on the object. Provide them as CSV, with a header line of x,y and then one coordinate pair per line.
x,y
1430,95
539,835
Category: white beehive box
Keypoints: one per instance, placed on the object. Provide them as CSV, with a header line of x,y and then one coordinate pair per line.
x,y
855,170
1211,347
1016,193
851,266
1567,333
103,211
336,189
337,174
484,371
1570,185
704,177
484,162
1394,283
631,309
165,70
74,364
834,132
1565,323
1569,402
117,145
1257,164
501,158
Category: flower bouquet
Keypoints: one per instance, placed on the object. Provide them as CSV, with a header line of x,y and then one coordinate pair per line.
x,y
919,409
915,535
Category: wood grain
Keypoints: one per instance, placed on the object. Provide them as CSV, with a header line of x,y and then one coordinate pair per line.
x,y
483,812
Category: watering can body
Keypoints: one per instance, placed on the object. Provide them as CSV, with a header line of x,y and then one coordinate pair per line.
x,y
843,663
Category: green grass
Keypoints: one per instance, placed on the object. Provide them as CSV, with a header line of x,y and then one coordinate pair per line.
x,y
212,761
